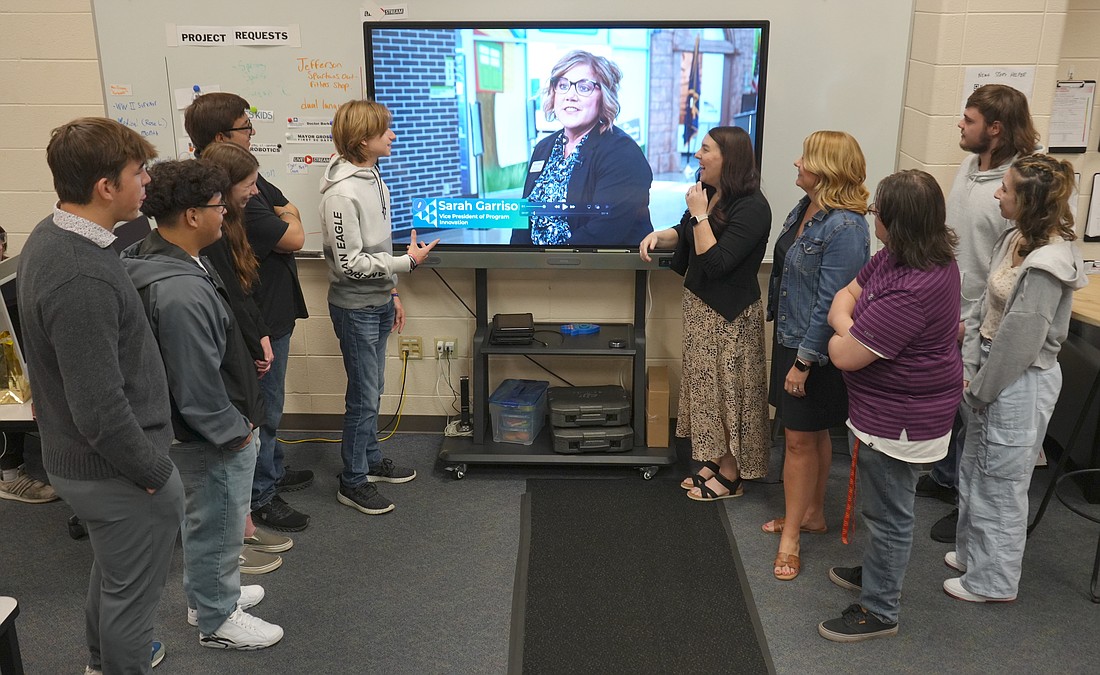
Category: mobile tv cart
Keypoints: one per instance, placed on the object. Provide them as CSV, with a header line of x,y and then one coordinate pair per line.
x,y
458,452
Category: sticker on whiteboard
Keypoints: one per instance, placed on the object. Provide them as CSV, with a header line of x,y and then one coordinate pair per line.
x,y
296,168
266,148
234,36
120,90
305,137
299,122
184,95
311,160
385,12
266,116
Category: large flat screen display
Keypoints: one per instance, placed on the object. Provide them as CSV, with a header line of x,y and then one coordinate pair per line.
x,y
572,141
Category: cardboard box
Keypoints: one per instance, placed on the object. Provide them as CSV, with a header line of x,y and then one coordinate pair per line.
x,y
656,407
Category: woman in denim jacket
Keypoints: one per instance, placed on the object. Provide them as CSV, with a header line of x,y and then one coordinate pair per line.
x,y
823,244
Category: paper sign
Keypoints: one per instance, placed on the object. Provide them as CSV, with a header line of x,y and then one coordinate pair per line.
x,y
264,116
234,36
1020,78
385,13
311,160
185,95
298,122
266,148
305,137
120,90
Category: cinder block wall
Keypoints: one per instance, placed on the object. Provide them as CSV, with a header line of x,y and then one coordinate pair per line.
x,y
49,74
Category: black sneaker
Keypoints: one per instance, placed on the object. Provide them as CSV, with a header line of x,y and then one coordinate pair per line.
x,y
854,625
365,498
294,480
387,472
278,515
847,577
926,487
944,529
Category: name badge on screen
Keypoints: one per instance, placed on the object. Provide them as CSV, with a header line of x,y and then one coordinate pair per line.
x,y
536,167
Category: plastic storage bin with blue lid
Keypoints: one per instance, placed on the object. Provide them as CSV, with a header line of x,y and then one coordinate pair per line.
x,y
518,410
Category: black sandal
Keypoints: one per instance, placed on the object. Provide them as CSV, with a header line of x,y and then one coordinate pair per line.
x,y
697,480
708,495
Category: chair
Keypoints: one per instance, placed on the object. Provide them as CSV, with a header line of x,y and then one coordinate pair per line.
x,y
1080,363
11,663
1094,587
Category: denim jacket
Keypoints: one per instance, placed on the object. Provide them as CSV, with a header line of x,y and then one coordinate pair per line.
x,y
833,247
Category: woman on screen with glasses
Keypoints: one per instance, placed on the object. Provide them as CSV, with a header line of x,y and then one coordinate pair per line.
x,y
591,166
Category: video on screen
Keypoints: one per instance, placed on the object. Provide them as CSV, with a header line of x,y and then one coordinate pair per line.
x,y
556,137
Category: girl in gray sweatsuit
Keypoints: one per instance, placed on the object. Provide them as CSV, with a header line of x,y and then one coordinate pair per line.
x,y
1011,374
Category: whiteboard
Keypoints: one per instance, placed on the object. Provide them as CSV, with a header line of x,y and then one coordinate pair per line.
x,y
149,76
832,64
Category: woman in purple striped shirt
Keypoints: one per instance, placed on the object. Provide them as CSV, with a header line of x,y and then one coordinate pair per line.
x,y
896,326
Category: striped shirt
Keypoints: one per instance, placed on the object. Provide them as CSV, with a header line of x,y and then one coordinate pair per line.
x,y
910,318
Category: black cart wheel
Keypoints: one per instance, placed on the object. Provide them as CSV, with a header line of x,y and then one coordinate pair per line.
x,y
458,471
648,472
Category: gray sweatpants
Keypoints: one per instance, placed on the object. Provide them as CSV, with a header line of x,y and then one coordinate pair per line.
x,y
133,534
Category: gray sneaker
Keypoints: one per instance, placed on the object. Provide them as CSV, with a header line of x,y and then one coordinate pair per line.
x,y
364,498
258,562
388,472
268,542
27,490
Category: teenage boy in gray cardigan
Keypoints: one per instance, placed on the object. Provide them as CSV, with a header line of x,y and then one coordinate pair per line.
x,y
100,391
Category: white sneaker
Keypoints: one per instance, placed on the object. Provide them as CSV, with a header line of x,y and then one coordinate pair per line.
x,y
954,588
952,561
242,631
250,597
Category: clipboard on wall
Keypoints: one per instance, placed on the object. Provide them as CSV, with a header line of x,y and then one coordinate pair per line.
x,y
1071,117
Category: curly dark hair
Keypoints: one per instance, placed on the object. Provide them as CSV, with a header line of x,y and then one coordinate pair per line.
x,y
176,186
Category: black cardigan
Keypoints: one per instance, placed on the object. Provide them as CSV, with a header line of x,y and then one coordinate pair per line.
x,y
726,276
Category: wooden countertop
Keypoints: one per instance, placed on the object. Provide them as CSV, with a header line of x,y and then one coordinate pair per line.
x,y
1086,302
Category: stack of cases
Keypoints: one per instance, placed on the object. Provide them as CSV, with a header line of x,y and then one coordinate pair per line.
x,y
590,419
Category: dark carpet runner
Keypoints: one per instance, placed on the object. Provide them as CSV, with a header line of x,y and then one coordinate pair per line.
x,y
630,576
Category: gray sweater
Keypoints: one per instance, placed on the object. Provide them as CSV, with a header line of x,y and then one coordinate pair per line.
x,y
1036,319
100,393
974,215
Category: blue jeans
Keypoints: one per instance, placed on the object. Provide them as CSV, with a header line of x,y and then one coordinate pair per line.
x,y
363,334
215,484
887,489
946,471
269,460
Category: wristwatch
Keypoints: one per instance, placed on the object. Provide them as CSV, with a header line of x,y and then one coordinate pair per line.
x,y
801,365
695,220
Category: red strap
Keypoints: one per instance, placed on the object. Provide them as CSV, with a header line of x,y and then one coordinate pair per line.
x,y
848,524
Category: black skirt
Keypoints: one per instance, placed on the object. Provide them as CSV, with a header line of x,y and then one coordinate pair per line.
x,y
825,404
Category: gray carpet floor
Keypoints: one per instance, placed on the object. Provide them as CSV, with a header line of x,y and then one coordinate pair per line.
x,y
428,587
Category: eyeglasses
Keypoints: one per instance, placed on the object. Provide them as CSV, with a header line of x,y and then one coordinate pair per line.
x,y
584,87
247,127
221,206
872,209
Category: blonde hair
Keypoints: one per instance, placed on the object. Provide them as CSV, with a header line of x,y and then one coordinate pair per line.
x,y
838,161
355,122
607,75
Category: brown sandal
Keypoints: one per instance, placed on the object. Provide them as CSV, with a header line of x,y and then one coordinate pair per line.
x,y
777,527
787,560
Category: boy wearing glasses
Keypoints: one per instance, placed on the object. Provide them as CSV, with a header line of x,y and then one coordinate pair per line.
x,y
274,228
216,397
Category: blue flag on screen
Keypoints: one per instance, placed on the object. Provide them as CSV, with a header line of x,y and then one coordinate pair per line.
x,y
691,105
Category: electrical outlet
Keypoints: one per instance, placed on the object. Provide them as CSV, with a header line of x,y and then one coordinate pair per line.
x,y
445,347
413,346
